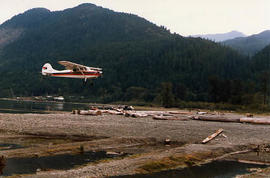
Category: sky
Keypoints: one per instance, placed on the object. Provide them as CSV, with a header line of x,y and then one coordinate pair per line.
x,y
185,17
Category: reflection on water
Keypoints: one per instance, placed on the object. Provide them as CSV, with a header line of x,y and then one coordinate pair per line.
x,y
9,146
11,106
58,162
216,169
2,164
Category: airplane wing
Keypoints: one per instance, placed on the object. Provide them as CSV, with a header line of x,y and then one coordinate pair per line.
x,y
71,66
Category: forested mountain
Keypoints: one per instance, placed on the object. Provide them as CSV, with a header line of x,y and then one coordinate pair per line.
x,y
140,60
250,45
222,36
261,61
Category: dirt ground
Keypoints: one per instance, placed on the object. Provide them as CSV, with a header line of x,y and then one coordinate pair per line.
x,y
143,137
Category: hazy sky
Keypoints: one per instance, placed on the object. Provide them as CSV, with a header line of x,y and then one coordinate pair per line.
x,y
186,17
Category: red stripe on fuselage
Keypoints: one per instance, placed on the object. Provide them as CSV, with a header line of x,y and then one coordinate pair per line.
x,y
76,74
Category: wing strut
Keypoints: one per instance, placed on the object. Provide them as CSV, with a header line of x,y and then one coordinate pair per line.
x,y
85,79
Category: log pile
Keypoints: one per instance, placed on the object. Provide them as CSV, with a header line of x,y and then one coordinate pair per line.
x,y
87,112
157,115
110,107
218,118
172,115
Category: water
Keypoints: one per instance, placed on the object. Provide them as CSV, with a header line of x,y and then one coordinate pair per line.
x,y
216,169
12,106
9,146
58,162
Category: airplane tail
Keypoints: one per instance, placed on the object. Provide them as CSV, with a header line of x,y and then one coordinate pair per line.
x,y
47,69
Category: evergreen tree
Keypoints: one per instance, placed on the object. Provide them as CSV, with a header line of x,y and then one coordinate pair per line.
x,y
167,95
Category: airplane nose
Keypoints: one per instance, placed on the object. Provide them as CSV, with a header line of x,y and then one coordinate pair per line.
x,y
44,73
100,73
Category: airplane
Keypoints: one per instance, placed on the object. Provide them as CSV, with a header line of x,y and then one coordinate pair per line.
x,y
73,70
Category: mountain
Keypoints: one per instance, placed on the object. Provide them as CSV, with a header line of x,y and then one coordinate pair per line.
x,y
13,29
250,45
137,56
221,36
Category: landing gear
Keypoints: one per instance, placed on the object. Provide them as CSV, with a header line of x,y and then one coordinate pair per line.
x,y
85,82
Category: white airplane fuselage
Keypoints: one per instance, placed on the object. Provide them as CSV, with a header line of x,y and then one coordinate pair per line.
x,y
47,70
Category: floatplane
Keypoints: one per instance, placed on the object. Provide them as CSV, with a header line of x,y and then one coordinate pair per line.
x,y
73,70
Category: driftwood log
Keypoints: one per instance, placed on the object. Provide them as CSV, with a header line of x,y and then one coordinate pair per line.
x,y
182,118
114,112
254,120
201,113
110,107
135,114
209,138
90,112
216,118
253,162
179,112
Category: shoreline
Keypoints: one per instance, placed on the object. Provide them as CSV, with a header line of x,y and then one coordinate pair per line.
x,y
144,138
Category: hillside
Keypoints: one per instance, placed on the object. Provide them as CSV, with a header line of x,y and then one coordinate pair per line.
x,y
137,57
221,36
250,45
11,30
261,61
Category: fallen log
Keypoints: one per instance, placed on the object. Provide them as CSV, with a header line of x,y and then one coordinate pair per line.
x,y
249,115
128,108
153,113
118,110
209,138
171,118
201,113
134,114
254,120
114,112
74,112
145,113
90,112
178,112
253,162
230,154
139,115
217,118
112,153
111,107
223,135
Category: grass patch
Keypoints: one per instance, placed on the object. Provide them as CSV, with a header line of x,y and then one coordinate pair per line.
x,y
177,161
169,163
159,165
